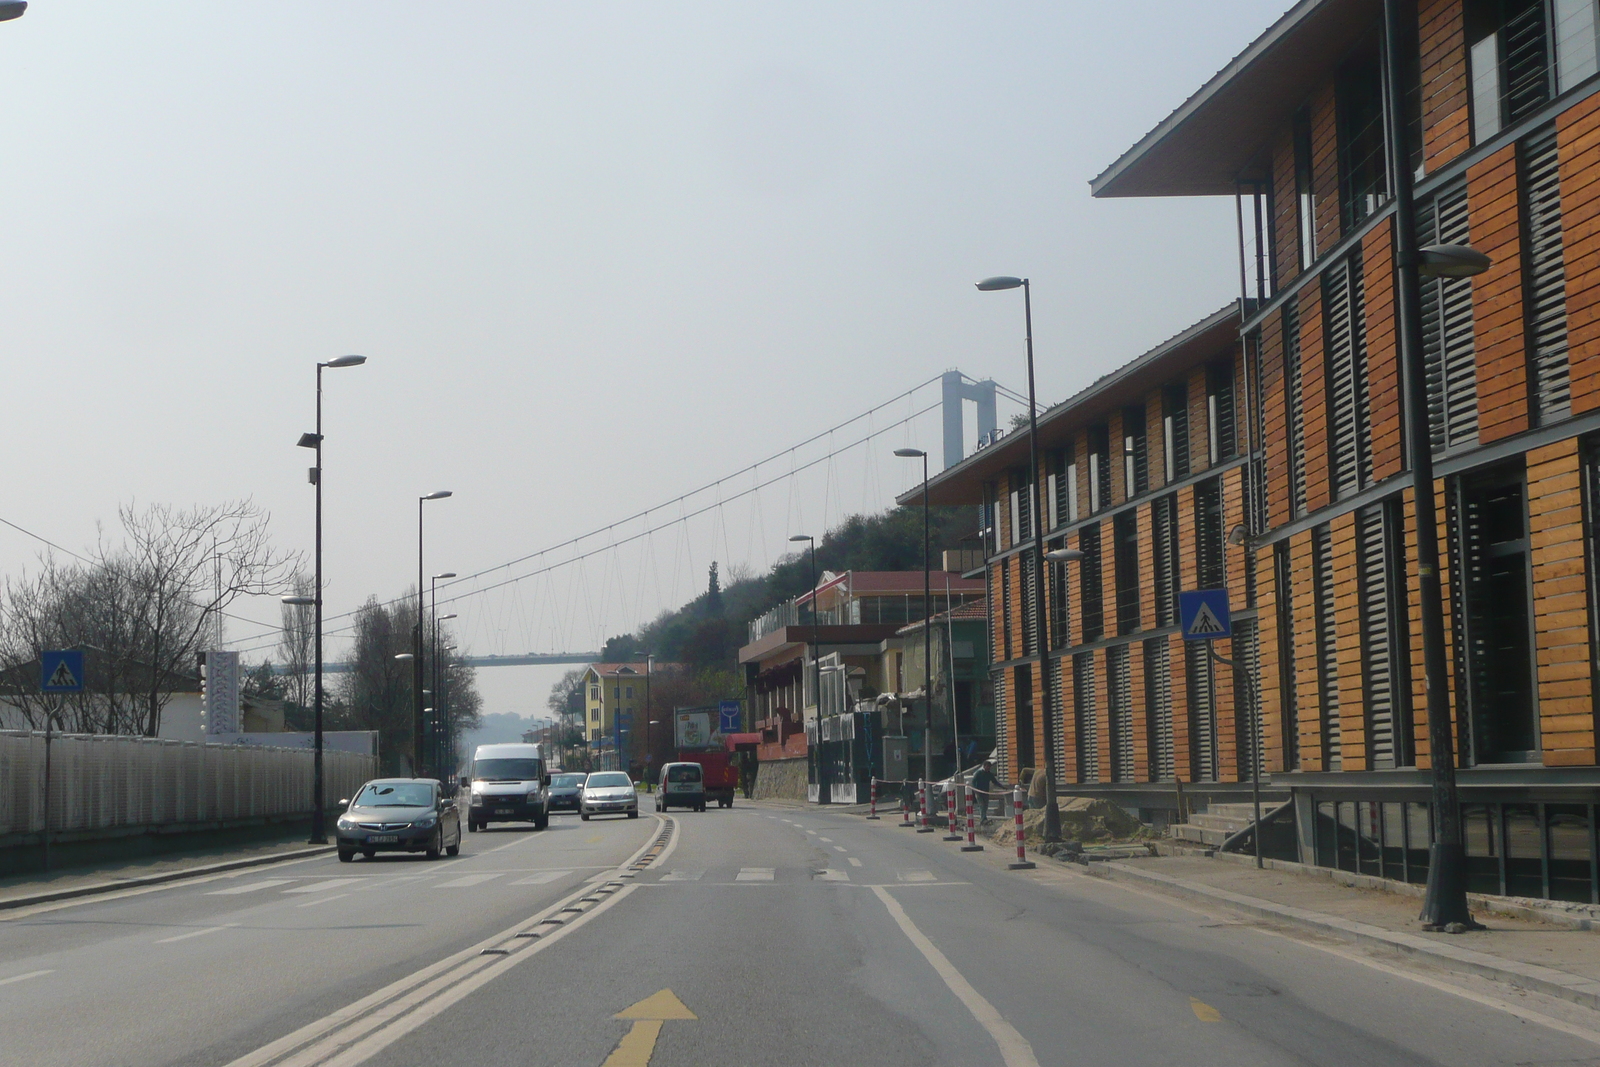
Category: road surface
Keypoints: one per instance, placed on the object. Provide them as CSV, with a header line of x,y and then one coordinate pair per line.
x,y
753,936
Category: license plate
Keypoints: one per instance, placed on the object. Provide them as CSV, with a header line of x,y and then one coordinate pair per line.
x,y
503,811
383,839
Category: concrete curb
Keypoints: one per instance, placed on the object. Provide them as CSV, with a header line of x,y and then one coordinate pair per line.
x,y
1567,986
157,879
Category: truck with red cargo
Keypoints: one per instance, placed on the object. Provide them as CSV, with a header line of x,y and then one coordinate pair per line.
x,y
720,771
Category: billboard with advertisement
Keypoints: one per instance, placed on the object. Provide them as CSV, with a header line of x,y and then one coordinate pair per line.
x,y
694,730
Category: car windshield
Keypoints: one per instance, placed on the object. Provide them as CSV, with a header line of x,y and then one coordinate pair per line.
x,y
605,780
566,780
506,770
396,795
684,773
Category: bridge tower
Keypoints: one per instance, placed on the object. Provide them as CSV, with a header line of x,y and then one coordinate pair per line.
x,y
956,390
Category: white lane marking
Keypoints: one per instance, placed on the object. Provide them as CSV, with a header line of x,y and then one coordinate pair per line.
x,y
683,876
854,862
468,879
811,832
512,844
322,900
25,977
754,874
829,840
197,933
249,888
317,887
840,848
1014,1048
914,876
833,874
541,878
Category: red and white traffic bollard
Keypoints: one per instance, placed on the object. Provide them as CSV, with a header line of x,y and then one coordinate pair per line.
x,y
923,826
873,797
905,809
972,833
951,833
1022,862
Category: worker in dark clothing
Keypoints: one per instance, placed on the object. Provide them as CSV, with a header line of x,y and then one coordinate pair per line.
x,y
983,783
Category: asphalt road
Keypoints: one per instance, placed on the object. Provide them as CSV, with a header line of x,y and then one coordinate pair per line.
x,y
752,936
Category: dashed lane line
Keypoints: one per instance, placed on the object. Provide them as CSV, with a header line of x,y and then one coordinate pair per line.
x,y
197,933
854,862
322,900
249,888
322,886
755,874
24,977
840,848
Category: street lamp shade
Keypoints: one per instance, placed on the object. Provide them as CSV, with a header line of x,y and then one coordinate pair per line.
x,y
800,537
438,494
346,361
1064,555
299,601
442,618
404,656
10,9
910,453
309,440
1451,261
989,285
1238,535
442,577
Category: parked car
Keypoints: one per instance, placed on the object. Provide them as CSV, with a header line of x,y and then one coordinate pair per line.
x,y
399,815
682,784
565,792
609,793
507,783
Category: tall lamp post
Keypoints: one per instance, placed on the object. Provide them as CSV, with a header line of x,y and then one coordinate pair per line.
x,y
816,651
649,670
438,704
10,9
1445,901
1041,629
319,834
436,747
416,644
927,620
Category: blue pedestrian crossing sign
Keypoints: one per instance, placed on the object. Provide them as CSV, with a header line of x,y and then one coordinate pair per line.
x,y
1204,614
61,671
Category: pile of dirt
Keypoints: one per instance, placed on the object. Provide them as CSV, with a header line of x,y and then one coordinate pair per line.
x,y
1083,819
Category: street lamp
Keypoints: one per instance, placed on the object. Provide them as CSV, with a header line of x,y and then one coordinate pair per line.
x,y
927,627
649,670
816,654
319,834
1041,629
1445,902
11,9
433,599
416,644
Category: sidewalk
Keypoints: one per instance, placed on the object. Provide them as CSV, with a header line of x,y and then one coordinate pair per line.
x,y
21,890
1557,960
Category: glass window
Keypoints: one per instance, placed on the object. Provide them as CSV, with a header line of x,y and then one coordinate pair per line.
x,y
608,780
395,795
1570,874
1482,839
507,770
1524,855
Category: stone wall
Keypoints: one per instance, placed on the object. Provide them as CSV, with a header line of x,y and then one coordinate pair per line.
x,y
783,779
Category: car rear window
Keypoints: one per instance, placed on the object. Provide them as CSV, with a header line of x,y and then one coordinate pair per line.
x,y
685,773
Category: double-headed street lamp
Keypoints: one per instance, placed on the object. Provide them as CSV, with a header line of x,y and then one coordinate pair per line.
x,y
416,644
438,708
1041,630
314,441
816,651
927,624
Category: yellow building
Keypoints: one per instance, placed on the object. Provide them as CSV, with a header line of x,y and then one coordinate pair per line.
x,y
613,708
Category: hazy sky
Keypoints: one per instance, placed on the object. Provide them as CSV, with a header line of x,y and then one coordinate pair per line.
x,y
598,255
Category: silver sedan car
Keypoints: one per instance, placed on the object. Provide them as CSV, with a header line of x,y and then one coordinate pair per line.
x,y
609,793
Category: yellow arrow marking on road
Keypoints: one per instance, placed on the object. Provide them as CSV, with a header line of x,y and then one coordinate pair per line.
x,y
639,1043
1205,1012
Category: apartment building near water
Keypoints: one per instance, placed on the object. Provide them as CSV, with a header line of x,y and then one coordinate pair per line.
x,y
1503,119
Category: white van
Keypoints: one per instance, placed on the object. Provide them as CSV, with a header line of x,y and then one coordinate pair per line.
x,y
509,783
682,784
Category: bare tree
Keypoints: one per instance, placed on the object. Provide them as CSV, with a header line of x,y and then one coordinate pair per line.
x,y
141,611
297,645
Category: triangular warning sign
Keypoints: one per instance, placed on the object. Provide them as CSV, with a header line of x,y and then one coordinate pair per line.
x,y
1206,622
62,677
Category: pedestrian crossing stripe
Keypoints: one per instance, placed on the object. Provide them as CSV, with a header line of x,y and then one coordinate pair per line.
x,y
1206,622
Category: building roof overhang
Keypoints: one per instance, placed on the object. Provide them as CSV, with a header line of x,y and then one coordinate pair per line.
x,y
1218,136
1199,344
787,637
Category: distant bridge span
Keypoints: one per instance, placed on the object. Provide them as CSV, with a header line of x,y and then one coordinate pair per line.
x,y
527,659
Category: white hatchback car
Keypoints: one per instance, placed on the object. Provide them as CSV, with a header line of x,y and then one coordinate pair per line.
x,y
609,793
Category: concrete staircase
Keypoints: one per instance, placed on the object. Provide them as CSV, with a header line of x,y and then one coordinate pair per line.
x,y
1210,828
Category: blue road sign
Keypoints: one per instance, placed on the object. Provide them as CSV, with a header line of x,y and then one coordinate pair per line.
x,y
728,713
1205,614
61,671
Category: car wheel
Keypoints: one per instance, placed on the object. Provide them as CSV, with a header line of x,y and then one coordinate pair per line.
x,y
542,822
472,827
434,848
584,816
634,814
369,853
347,855
453,850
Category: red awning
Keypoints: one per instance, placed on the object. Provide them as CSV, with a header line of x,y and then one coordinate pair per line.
x,y
732,742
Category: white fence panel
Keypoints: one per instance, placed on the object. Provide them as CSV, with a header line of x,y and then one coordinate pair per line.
x,y
103,783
